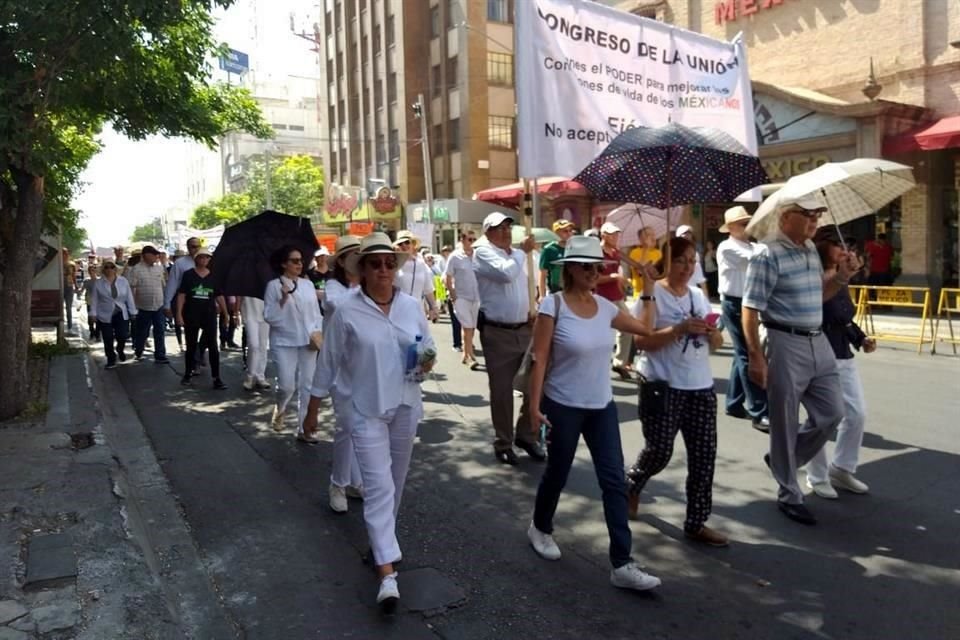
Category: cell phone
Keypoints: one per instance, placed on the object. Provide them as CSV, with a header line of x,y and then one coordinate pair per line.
x,y
712,319
544,428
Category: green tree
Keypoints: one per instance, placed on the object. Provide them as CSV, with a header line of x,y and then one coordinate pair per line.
x,y
231,208
151,232
296,185
65,70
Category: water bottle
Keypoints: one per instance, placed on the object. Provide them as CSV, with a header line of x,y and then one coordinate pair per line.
x,y
412,364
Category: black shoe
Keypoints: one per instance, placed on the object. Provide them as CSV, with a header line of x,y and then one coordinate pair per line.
x,y
138,357
122,357
761,424
533,449
233,345
507,456
185,380
797,513
739,413
218,385
162,360
111,365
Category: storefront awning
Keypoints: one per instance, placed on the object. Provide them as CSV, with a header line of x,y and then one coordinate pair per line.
x,y
943,134
511,195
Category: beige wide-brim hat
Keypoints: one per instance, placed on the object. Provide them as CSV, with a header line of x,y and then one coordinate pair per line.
x,y
345,244
405,235
731,216
373,244
583,249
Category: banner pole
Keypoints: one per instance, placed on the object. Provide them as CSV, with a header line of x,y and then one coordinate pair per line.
x,y
528,226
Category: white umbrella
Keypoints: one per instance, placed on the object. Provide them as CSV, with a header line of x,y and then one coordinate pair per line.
x,y
631,218
849,190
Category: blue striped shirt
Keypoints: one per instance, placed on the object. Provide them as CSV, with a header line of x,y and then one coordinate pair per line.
x,y
785,283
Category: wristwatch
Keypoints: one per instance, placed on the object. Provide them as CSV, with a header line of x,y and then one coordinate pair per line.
x,y
647,298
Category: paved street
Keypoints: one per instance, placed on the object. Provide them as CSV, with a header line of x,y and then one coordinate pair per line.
x,y
886,565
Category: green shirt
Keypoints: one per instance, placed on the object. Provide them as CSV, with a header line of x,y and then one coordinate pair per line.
x,y
551,252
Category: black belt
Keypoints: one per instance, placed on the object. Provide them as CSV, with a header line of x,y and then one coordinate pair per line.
x,y
512,326
737,299
806,333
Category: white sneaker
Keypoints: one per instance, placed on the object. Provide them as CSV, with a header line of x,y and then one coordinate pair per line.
x,y
823,489
630,576
389,594
848,481
277,420
543,543
354,492
248,384
338,499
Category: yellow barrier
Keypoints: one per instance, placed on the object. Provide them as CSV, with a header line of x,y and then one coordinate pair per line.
x,y
858,295
944,308
897,297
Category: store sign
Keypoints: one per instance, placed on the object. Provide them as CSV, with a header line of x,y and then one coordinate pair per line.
x,y
780,169
591,72
731,10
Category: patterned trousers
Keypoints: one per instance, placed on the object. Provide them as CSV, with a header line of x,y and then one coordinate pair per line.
x,y
694,415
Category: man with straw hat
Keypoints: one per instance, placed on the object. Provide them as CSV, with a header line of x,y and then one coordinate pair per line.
x,y
785,289
744,398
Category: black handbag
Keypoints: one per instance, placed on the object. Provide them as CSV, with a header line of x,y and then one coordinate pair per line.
x,y
654,396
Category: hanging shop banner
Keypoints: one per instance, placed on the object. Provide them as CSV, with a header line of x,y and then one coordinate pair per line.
x,y
588,72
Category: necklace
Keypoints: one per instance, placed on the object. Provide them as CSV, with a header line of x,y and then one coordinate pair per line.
x,y
393,294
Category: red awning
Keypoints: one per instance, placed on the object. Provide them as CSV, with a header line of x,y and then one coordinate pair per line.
x,y
943,134
511,194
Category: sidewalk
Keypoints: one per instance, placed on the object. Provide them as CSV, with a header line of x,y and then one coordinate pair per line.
x,y
80,491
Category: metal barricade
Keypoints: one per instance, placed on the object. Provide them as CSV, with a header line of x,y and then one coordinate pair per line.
x,y
902,297
945,309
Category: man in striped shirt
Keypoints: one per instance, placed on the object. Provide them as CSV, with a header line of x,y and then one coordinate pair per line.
x,y
785,289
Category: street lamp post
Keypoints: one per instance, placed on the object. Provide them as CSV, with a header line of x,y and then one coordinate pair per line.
x,y
420,112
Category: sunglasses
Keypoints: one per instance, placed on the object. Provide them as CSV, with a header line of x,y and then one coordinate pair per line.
x,y
380,263
109,266
470,239
810,214
295,260
589,267
403,242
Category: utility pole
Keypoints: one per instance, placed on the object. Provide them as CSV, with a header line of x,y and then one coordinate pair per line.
x,y
420,112
266,157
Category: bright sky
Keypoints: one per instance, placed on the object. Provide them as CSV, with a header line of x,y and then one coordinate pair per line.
x,y
130,183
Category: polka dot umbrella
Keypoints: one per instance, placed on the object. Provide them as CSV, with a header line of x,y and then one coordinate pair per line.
x,y
672,165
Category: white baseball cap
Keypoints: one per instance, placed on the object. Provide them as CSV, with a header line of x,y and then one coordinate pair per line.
x,y
609,227
684,228
322,251
495,219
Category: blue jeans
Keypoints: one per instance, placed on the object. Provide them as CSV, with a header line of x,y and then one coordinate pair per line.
x,y
145,320
601,431
741,391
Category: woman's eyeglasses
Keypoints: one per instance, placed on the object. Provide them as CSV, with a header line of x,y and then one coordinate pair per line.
x,y
295,260
590,267
377,263
109,266
810,214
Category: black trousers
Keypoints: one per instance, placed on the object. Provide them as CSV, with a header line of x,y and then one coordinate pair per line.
x,y
116,331
207,339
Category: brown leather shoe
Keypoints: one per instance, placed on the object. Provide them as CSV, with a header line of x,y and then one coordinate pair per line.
x,y
709,536
633,505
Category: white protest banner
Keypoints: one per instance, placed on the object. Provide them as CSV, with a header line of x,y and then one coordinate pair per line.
x,y
586,72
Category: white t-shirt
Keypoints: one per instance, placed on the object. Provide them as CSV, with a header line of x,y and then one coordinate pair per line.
x,y
460,268
415,278
684,363
579,371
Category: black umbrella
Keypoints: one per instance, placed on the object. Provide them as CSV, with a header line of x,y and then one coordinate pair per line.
x,y
672,165
241,263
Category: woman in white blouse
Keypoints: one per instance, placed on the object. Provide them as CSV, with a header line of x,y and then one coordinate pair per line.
x,y
364,355
290,308
111,301
345,480
571,395
415,278
677,355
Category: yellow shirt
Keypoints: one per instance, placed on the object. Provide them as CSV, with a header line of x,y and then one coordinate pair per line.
x,y
641,255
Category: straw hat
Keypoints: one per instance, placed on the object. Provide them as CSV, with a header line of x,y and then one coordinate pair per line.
x,y
344,244
375,243
405,235
732,215
583,249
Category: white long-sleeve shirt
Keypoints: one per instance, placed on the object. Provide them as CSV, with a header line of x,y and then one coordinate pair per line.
x,y
292,322
364,353
733,256
180,267
415,278
104,304
333,295
502,284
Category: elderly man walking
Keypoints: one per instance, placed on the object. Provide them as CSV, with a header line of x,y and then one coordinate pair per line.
x,y
505,333
147,279
785,289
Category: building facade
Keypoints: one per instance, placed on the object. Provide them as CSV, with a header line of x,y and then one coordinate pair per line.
x,y
838,80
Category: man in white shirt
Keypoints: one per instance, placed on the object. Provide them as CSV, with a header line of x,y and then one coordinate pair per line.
x,y
505,333
462,291
744,398
415,278
147,279
180,267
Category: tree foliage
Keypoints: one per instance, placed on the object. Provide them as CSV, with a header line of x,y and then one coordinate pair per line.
x,y
66,68
296,187
151,232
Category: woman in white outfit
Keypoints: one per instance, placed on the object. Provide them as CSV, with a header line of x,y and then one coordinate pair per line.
x,y
257,332
345,480
363,355
415,278
290,308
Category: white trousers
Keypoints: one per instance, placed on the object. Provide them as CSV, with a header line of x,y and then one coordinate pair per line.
x,y
345,470
295,367
258,337
846,454
383,446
